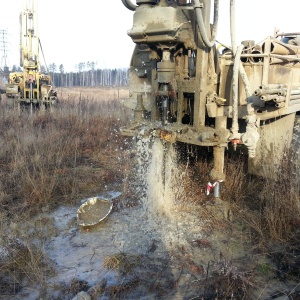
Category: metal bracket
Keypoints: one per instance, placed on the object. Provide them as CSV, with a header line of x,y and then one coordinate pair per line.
x,y
200,6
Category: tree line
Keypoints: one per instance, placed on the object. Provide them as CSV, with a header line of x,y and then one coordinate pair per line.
x,y
85,74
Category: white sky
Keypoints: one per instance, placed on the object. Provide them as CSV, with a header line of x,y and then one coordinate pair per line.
x,y
73,31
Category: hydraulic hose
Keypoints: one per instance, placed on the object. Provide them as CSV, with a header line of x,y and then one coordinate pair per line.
x,y
243,74
232,26
128,4
251,136
199,18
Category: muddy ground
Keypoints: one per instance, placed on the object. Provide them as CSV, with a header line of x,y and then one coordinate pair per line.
x,y
185,257
148,248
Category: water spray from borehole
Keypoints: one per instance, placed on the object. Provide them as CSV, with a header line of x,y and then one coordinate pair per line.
x,y
159,178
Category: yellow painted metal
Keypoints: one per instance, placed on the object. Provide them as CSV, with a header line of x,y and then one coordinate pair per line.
x,y
32,86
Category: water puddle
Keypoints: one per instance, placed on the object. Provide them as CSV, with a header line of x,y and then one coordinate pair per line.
x,y
172,242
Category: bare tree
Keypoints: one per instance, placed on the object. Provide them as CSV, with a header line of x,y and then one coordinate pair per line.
x,y
62,71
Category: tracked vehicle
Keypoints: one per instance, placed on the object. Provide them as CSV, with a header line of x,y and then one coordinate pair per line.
x,y
182,88
30,87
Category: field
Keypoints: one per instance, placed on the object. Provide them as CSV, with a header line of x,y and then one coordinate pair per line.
x,y
93,94
180,245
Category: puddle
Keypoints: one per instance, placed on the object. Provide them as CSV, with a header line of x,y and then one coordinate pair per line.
x,y
173,243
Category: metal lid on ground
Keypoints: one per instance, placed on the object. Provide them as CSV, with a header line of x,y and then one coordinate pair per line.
x,y
93,211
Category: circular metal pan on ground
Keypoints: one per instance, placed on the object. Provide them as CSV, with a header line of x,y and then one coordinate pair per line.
x,y
93,211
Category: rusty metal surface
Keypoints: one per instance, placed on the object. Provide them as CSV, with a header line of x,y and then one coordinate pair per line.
x,y
276,136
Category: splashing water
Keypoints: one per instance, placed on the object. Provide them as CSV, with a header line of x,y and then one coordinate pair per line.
x,y
158,176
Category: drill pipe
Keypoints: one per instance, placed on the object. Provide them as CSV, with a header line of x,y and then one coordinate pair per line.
x,y
273,86
293,92
278,47
274,97
293,102
277,98
256,50
276,88
236,67
264,91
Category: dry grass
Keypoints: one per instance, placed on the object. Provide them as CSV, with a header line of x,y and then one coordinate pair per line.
x,y
225,280
266,213
59,157
121,262
22,262
49,159
74,287
139,275
270,207
99,94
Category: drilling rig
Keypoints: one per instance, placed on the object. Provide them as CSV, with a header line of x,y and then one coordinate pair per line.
x,y
30,87
183,89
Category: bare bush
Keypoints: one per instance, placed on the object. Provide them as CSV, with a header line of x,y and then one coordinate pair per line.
x,y
48,159
53,158
22,263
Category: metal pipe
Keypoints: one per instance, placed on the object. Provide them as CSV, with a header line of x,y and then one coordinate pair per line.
x,y
245,81
139,110
292,97
288,33
278,98
253,55
276,58
293,92
30,91
262,92
217,189
294,57
276,91
165,110
274,97
258,92
272,86
232,26
199,18
217,173
129,5
243,74
248,44
293,102
280,48
263,116
256,56
235,81
281,99
280,105
151,2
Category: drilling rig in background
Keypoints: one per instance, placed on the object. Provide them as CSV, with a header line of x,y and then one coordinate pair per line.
x,y
183,89
4,70
30,87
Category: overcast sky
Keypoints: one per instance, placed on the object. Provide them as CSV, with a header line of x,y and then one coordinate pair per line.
x,y
73,31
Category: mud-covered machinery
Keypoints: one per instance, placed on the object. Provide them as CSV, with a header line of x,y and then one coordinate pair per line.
x,y
30,86
183,88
